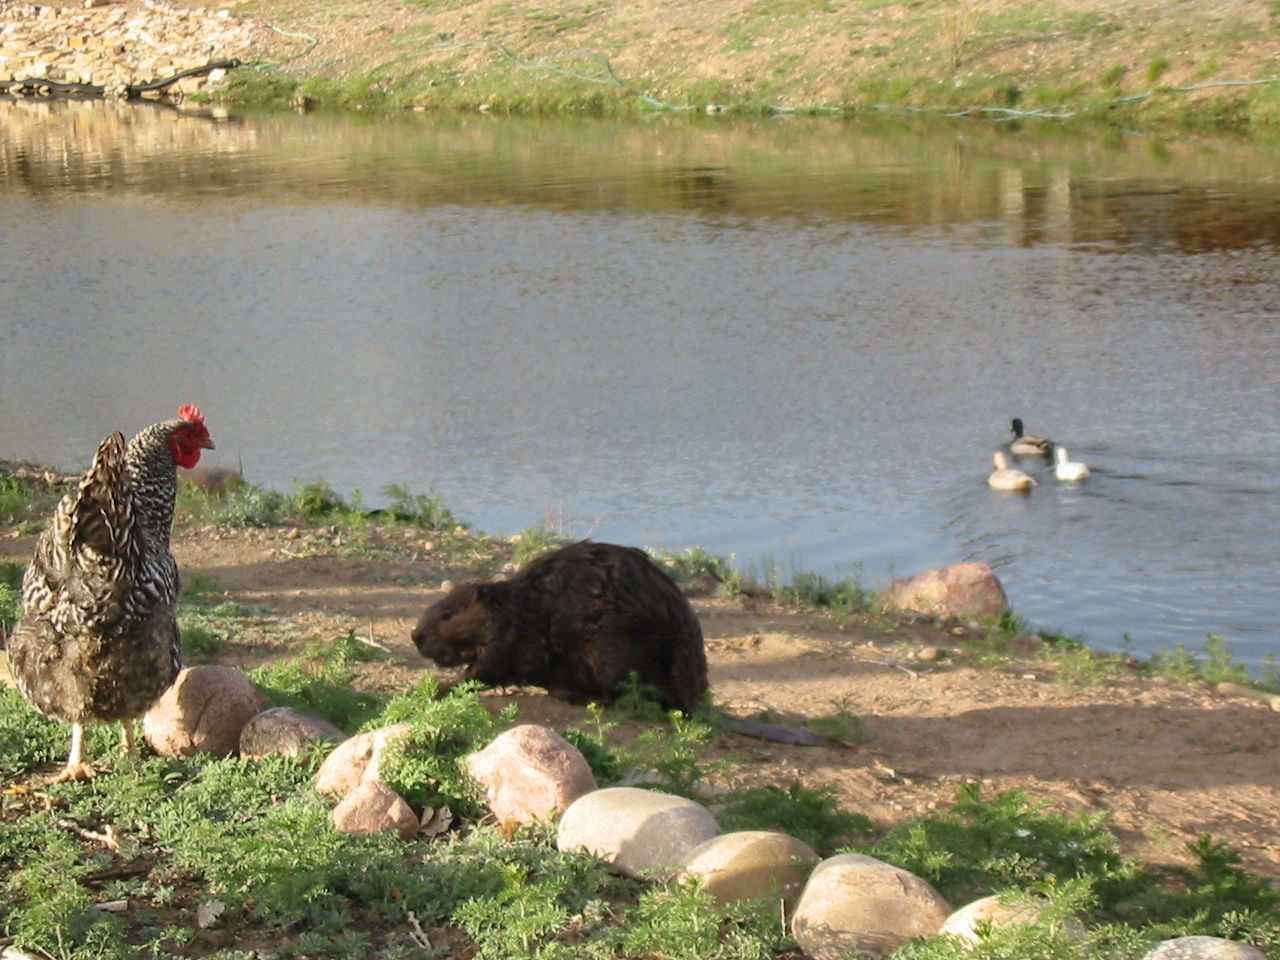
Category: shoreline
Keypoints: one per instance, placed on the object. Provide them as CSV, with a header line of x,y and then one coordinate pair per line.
x,y
217,498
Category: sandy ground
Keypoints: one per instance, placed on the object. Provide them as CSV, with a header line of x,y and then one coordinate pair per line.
x,y
1169,761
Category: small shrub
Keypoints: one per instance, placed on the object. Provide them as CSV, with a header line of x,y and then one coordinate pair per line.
x,y
426,766
694,563
639,701
811,815
843,725
814,590
420,510
1221,666
320,683
673,753
977,847
1157,67
533,542
605,764
1112,76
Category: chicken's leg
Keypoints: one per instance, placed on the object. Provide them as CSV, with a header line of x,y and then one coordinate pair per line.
x,y
76,768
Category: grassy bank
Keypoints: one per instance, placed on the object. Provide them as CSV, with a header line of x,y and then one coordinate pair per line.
x,y
1201,66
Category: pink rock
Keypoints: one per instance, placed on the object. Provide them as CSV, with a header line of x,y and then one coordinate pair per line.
x,y
356,760
960,590
285,732
530,772
203,712
373,807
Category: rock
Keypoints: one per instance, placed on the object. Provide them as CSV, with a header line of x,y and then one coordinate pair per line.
x,y
635,830
373,807
530,772
960,590
988,910
66,43
1203,948
752,865
356,760
857,902
204,711
284,731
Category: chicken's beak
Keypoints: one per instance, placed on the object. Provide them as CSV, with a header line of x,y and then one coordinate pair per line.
x,y
207,443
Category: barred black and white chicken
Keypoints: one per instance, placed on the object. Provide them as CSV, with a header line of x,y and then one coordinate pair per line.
x,y
98,641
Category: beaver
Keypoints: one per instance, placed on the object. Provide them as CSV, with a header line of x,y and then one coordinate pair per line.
x,y
580,621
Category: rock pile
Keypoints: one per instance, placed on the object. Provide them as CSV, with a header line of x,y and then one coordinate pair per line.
x,y
43,48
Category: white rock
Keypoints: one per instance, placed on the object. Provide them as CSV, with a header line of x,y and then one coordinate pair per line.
x,y
751,865
989,910
1203,948
856,902
635,830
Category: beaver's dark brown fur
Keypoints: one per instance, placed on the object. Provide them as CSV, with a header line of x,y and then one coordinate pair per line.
x,y
578,621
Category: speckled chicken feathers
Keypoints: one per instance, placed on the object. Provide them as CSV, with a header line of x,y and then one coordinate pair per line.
x,y
98,640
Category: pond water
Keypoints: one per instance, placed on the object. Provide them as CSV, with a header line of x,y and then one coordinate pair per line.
x,y
797,342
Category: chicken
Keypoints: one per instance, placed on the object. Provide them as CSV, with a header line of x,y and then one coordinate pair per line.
x,y
98,641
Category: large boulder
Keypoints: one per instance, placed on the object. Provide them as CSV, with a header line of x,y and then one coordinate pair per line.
x,y
530,772
636,831
357,759
856,902
960,590
204,711
751,865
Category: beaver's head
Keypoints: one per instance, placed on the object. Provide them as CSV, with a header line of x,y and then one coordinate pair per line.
x,y
455,628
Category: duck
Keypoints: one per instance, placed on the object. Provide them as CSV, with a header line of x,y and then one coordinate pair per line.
x,y
1028,445
1006,478
1072,471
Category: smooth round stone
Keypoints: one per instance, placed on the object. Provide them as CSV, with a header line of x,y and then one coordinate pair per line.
x,y
636,831
752,865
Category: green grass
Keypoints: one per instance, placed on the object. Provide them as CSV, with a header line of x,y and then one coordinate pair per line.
x,y
320,682
843,725
843,595
254,838
1217,666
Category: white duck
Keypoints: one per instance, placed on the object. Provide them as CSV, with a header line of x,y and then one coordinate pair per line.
x,y
1006,478
1072,471
1028,445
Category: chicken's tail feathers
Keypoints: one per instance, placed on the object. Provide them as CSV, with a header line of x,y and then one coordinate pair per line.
x,y
102,513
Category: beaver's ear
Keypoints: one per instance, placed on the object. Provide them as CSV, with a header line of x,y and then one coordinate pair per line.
x,y
489,594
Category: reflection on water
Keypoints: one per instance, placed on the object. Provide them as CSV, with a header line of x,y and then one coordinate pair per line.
x,y
797,342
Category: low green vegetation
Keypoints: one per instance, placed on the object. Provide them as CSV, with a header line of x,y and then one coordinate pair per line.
x,y
26,503
314,502
248,846
321,683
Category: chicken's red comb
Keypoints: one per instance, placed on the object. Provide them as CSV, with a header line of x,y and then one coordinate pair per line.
x,y
191,413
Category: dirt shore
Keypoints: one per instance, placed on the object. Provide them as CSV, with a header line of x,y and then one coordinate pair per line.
x,y
1169,761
